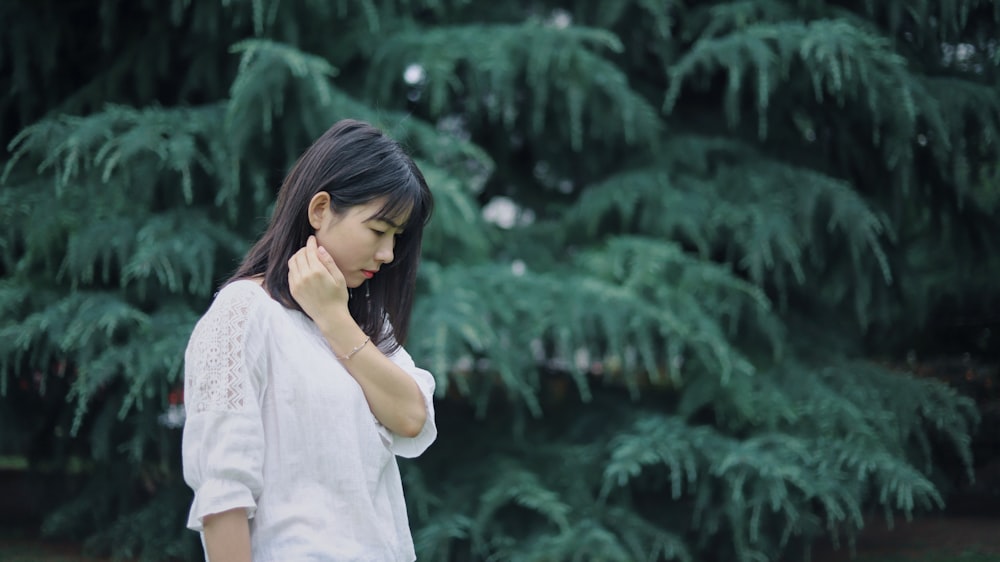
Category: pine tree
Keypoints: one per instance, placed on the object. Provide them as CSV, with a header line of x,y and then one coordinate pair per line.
x,y
678,253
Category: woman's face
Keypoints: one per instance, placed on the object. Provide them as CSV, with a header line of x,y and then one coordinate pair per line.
x,y
359,244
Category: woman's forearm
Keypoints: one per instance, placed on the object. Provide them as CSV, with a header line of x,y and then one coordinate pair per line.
x,y
227,536
392,394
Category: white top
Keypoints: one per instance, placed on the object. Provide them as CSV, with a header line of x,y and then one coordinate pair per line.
x,y
276,425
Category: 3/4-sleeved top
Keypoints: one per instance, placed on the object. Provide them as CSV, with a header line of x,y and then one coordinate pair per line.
x,y
276,425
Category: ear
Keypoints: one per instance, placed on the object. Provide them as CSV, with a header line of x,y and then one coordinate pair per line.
x,y
319,209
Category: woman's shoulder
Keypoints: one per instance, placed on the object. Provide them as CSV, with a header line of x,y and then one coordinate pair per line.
x,y
248,286
244,295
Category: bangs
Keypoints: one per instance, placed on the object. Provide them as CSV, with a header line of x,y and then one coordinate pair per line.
x,y
404,199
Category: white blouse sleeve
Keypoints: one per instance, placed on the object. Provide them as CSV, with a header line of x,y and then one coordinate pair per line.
x,y
224,378
410,447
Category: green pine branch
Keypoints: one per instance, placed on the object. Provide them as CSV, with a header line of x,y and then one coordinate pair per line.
x,y
760,214
558,67
621,312
842,61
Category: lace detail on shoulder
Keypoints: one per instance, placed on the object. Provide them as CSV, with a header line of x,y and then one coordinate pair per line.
x,y
217,374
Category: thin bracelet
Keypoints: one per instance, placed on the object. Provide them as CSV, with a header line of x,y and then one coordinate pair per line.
x,y
356,349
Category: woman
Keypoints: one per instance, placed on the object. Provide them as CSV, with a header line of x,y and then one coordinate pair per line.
x,y
298,394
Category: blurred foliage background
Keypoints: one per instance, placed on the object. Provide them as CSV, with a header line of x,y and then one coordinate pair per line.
x,y
695,273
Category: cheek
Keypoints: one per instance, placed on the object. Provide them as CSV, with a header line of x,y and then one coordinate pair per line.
x,y
326,242
343,252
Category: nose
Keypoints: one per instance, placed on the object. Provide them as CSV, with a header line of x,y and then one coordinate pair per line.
x,y
384,253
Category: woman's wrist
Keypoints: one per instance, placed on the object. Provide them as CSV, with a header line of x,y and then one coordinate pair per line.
x,y
343,334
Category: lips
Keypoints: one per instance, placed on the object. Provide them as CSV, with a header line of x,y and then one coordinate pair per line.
x,y
368,273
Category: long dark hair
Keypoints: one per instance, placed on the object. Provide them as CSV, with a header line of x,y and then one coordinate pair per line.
x,y
355,163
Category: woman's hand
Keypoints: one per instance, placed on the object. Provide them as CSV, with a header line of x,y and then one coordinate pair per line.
x,y
315,281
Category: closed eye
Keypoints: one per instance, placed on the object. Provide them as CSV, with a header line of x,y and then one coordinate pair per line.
x,y
397,235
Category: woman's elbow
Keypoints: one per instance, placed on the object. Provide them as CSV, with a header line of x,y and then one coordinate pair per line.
x,y
414,423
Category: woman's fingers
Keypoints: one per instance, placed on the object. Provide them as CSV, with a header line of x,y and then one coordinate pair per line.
x,y
321,259
309,267
327,260
309,252
314,279
298,263
306,260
